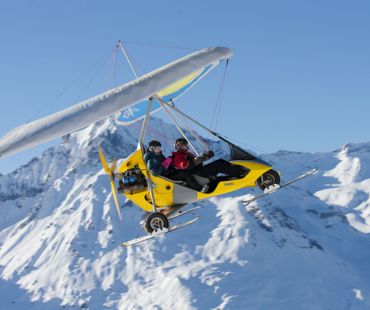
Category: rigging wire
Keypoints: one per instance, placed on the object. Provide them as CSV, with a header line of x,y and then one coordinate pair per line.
x,y
52,102
192,131
261,152
217,107
153,132
221,96
113,71
98,70
218,104
175,121
219,136
195,135
159,45
216,115
134,65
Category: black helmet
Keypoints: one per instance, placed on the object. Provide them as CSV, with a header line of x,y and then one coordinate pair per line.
x,y
155,143
181,141
181,144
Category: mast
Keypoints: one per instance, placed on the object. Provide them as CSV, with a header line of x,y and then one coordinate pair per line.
x,y
120,45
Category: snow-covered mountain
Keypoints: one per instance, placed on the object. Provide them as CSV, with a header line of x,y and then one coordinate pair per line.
x,y
304,247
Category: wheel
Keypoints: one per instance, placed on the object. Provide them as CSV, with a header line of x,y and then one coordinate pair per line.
x,y
156,221
269,178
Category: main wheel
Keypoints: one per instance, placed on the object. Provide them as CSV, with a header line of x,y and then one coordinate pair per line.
x,y
156,221
269,178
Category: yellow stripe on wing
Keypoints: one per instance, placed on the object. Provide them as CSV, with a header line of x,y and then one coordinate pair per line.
x,y
174,87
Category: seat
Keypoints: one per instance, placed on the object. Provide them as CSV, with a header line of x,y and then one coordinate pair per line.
x,y
201,180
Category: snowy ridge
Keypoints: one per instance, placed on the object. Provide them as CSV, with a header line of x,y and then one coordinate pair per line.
x,y
305,247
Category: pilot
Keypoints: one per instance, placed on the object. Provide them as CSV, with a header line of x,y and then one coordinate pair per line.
x,y
185,160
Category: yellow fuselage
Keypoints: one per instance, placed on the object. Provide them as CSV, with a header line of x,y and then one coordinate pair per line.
x,y
164,191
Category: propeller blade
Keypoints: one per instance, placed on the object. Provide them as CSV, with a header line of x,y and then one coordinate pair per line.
x,y
110,171
113,166
116,199
103,161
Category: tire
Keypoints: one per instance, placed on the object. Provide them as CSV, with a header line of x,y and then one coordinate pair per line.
x,y
269,178
156,221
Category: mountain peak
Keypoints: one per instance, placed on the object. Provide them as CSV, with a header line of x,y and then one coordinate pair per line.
x,y
56,213
357,147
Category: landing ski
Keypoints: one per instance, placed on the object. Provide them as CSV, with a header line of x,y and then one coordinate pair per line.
x,y
269,191
160,233
180,212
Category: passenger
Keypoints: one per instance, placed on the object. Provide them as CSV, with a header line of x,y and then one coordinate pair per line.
x,y
185,160
154,158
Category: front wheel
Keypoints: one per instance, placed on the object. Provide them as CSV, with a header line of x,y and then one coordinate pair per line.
x,y
156,221
269,178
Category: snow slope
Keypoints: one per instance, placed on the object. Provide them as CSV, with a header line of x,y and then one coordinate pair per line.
x,y
305,247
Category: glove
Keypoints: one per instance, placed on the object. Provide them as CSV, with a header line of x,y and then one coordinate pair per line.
x,y
199,160
208,154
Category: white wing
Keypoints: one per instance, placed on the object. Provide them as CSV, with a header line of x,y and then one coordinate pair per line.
x,y
106,104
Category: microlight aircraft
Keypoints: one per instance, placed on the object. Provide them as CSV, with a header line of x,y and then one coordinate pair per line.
x,y
161,197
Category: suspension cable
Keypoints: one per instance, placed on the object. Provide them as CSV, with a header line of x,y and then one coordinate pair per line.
x,y
160,45
93,78
114,67
52,102
261,151
153,133
188,117
166,105
193,132
216,111
178,127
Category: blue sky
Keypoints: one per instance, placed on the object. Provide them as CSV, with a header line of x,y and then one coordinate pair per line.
x,y
299,78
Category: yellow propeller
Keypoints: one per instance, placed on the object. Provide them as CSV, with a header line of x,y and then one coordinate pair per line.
x,y
110,172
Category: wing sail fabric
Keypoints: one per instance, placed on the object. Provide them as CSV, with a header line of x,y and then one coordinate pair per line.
x,y
173,91
110,102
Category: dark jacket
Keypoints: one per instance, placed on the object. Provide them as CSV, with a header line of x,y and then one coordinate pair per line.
x,y
154,163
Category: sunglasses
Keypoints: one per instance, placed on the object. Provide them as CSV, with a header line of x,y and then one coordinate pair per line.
x,y
156,148
183,146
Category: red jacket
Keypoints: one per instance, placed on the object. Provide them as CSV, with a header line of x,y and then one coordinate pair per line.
x,y
182,160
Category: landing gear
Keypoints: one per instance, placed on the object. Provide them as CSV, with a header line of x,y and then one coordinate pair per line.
x,y
268,179
155,222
